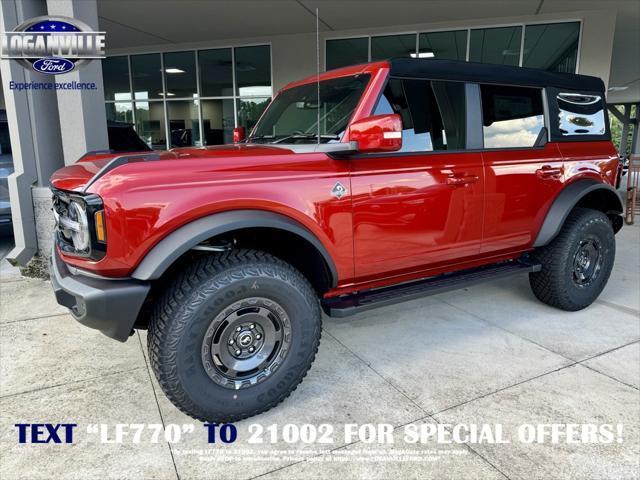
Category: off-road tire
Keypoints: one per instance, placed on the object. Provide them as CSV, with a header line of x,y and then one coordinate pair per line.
x,y
200,292
556,284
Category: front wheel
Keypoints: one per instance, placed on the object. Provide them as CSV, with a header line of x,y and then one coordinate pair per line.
x,y
577,263
234,335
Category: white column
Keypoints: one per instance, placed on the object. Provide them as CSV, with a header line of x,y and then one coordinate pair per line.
x,y
35,138
83,123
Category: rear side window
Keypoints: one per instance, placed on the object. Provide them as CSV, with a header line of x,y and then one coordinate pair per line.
x,y
512,117
432,112
581,114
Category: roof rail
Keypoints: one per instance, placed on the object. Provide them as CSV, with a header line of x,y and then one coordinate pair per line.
x,y
121,160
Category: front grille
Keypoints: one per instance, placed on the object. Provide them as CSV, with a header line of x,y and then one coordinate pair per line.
x,y
61,202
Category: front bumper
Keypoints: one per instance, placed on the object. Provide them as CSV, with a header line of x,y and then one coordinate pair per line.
x,y
111,306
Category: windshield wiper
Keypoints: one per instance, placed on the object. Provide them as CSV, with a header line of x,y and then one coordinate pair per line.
x,y
307,136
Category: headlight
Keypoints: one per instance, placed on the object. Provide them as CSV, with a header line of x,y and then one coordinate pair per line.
x,y
80,235
81,228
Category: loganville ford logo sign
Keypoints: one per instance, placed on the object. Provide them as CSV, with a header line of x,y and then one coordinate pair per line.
x,y
52,45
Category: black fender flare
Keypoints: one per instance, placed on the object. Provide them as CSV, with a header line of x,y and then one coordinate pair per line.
x,y
566,200
178,242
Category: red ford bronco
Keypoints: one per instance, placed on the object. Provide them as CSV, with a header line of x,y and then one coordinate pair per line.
x,y
371,185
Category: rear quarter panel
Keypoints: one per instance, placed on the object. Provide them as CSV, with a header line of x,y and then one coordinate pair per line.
x,y
581,161
596,160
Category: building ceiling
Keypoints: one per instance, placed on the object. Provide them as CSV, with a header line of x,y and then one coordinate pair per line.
x,y
139,23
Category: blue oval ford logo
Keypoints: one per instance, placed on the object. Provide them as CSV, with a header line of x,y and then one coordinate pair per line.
x,y
53,65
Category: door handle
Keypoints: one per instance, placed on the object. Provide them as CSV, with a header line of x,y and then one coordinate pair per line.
x,y
464,180
547,171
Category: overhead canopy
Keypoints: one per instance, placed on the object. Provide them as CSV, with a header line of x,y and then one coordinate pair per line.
x,y
485,73
144,23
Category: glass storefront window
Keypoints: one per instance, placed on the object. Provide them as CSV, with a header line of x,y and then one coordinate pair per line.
x,y
253,71
217,121
146,75
496,45
115,75
249,111
167,109
119,112
552,47
216,74
184,126
180,74
347,51
150,124
390,46
443,45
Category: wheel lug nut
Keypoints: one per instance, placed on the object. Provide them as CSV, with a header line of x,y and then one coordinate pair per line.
x,y
231,341
238,352
238,329
258,336
251,349
252,326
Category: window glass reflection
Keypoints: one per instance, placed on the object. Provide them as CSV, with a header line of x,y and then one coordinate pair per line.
x,y
115,74
218,122
443,45
347,51
512,116
390,46
249,111
154,80
146,76
253,71
150,124
496,45
216,75
581,114
552,47
432,113
180,74
294,115
184,127
119,112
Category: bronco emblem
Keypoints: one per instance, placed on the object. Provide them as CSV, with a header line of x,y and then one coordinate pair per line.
x,y
338,190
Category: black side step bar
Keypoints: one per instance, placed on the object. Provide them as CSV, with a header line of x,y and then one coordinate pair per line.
x,y
347,305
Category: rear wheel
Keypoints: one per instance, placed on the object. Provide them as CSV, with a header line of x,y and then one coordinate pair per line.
x,y
577,263
234,335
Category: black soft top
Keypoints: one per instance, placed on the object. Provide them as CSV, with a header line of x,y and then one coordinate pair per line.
x,y
435,69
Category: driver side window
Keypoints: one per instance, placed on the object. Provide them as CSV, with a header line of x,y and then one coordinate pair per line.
x,y
432,112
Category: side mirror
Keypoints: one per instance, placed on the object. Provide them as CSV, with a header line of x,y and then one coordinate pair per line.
x,y
238,134
378,133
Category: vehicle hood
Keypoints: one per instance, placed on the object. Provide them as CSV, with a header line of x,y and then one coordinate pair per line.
x,y
75,177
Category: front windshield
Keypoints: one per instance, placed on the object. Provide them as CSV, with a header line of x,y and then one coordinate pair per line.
x,y
293,116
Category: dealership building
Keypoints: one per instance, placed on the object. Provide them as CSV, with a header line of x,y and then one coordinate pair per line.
x,y
188,72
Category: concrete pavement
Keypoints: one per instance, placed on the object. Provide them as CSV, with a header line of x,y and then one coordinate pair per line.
x,y
488,354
